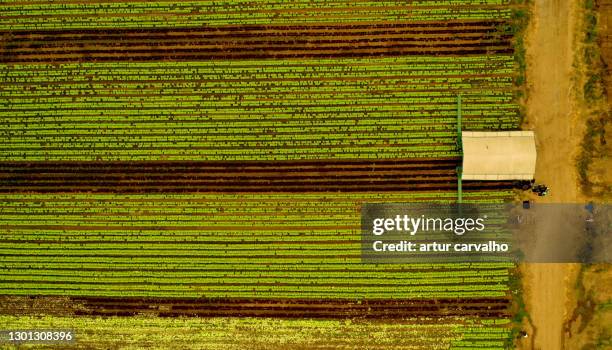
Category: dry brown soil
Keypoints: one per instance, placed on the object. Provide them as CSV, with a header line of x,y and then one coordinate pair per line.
x,y
599,171
589,326
563,316
605,36
558,127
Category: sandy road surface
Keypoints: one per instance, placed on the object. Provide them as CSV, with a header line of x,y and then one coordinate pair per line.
x,y
558,132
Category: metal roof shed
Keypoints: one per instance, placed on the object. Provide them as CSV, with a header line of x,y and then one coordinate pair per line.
x,y
505,155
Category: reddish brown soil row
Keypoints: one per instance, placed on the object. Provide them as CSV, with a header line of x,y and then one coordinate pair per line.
x,y
291,308
177,177
252,42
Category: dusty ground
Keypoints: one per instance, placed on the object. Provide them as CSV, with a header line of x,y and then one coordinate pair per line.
x,y
550,112
589,326
563,316
599,171
605,35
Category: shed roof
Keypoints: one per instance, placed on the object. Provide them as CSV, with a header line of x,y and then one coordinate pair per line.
x,y
505,155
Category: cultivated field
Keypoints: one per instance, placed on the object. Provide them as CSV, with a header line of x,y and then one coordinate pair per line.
x,y
357,108
194,171
264,334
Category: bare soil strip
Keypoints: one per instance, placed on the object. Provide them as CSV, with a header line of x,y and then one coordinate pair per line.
x,y
255,42
288,308
179,177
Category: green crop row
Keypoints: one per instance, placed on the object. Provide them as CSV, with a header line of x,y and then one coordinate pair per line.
x,y
436,127
270,333
260,76
324,293
420,62
287,98
373,282
130,14
343,268
105,288
235,5
83,201
252,110
205,239
416,275
60,22
217,245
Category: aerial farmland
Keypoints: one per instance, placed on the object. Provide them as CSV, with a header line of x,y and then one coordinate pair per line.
x,y
192,174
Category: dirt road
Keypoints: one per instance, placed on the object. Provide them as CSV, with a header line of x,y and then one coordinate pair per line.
x,y
550,112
